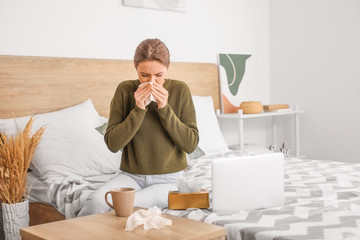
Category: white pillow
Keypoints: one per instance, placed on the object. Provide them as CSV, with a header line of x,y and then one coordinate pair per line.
x,y
73,151
70,145
211,139
84,113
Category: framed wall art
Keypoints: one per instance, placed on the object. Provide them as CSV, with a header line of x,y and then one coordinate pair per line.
x,y
234,72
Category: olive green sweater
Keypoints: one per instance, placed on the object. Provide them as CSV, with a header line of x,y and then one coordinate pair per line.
x,y
154,141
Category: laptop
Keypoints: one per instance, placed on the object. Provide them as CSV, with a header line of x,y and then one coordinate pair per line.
x,y
248,182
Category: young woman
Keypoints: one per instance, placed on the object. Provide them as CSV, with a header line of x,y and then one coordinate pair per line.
x,y
153,120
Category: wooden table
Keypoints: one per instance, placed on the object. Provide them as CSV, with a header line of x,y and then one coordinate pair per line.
x,y
109,226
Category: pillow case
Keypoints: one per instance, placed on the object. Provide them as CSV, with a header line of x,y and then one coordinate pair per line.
x,y
70,145
197,153
211,139
102,128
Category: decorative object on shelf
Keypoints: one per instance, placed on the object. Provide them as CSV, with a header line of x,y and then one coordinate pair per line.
x,y
15,156
170,5
251,107
284,149
276,107
232,69
272,147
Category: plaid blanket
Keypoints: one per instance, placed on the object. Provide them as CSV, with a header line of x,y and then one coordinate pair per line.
x,y
322,201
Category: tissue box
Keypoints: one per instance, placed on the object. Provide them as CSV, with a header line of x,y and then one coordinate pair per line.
x,y
178,200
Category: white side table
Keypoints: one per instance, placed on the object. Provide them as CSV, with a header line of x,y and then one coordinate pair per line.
x,y
240,117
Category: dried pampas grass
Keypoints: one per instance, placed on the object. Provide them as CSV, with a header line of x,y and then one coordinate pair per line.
x,y
15,157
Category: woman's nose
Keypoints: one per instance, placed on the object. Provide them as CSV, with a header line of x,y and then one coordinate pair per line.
x,y
152,79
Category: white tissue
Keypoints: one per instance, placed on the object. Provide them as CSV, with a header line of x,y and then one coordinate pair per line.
x,y
151,97
151,218
189,186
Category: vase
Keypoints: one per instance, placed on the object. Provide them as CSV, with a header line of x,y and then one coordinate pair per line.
x,y
15,217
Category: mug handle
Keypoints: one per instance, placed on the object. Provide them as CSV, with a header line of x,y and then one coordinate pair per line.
x,y
107,200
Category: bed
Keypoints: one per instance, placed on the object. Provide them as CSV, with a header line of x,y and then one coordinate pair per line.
x,y
322,198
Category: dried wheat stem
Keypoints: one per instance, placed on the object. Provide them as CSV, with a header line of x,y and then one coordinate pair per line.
x,y
15,157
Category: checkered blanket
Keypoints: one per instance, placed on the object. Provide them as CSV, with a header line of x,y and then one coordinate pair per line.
x,y
322,201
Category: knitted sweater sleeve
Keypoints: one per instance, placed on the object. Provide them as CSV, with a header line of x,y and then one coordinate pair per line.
x,y
182,129
121,126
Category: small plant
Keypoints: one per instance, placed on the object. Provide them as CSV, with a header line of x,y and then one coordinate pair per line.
x,y
15,157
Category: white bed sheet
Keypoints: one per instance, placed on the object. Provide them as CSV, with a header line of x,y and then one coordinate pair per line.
x,y
38,191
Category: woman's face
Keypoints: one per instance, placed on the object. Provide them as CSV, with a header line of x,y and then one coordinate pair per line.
x,y
151,71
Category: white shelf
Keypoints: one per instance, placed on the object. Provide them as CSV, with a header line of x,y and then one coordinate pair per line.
x,y
258,115
240,118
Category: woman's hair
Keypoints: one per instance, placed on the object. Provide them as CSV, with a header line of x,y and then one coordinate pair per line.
x,y
152,49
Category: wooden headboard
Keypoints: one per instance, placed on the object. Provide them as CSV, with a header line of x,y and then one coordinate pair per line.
x,y
31,85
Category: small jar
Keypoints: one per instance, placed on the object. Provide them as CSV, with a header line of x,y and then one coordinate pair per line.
x,y
251,107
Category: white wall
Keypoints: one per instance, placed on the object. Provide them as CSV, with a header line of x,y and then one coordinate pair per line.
x,y
314,62
107,29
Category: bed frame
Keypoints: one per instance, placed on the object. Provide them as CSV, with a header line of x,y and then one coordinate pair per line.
x,y
32,85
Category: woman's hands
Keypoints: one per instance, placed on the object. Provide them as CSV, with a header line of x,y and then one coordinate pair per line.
x,y
141,94
160,94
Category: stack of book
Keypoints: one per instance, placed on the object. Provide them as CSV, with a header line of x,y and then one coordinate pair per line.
x,y
276,107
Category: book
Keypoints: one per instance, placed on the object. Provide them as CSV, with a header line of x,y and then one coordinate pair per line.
x,y
275,107
278,110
